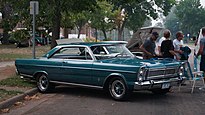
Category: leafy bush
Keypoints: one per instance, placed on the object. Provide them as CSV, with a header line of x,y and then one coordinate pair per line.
x,y
19,35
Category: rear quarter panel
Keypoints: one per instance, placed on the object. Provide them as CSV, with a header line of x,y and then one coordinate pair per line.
x,y
31,66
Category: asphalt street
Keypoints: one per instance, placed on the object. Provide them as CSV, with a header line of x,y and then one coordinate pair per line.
x,y
80,101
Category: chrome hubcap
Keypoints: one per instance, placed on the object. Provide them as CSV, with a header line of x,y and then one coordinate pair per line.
x,y
118,88
43,83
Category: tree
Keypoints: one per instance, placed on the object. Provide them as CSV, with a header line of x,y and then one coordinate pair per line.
x,y
102,18
50,13
79,20
9,19
172,22
137,11
59,6
147,23
191,15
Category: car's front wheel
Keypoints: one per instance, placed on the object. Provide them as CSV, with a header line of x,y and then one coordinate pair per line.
x,y
118,89
43,84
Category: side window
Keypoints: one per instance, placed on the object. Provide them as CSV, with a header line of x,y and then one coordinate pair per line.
x,y
98,50
80,53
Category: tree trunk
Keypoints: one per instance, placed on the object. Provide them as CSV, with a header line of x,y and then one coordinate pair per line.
x,y
96,34
5,39
104,33
56,24
66,32
120,30
6,11
79,30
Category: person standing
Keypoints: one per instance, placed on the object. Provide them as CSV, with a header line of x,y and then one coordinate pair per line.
x,y
201,52
148,47
178,43
166,34
167,48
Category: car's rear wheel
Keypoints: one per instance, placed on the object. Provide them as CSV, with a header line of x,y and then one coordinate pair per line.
x,y
43,84
118,89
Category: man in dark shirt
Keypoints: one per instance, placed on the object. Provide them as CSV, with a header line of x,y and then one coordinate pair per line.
x,y
148,47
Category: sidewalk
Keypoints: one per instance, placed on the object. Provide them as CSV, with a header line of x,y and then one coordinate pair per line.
x,y
4,64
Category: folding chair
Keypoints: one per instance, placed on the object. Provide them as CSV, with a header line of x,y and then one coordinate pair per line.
x,y
193,76
197,75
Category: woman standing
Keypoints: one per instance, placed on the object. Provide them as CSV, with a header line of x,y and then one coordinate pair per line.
x,y
167,48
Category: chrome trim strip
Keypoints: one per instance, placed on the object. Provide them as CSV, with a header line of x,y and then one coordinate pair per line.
x,y
26,75
151,84
76,84
69,67
157,81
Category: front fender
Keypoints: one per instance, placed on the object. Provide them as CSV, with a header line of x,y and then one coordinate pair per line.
x,y
112,75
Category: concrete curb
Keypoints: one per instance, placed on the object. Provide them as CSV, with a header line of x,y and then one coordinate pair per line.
x,y
11,101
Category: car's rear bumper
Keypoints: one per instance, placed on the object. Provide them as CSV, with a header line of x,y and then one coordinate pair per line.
x,y
156,84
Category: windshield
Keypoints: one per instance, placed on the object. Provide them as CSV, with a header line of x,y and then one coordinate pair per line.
x,y
111,51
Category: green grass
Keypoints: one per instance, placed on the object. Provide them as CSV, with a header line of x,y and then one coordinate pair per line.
x,y
11,53
4,94
16,81
11,57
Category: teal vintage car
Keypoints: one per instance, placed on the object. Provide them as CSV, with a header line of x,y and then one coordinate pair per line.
x,y
104,65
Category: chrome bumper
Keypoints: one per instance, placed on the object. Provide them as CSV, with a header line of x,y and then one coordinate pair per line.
x,y
154,84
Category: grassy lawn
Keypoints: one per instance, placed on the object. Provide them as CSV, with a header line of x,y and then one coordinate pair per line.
x,y
10,52
4,94
12,83
10,87
16,81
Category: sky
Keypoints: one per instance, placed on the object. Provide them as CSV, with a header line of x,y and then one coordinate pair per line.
x,y
202,2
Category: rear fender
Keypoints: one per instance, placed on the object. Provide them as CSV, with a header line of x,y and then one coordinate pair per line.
x,y
36,74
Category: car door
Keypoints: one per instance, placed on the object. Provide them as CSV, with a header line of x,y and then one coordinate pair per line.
x,y
77,66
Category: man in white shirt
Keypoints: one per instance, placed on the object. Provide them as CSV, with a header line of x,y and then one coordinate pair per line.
x,y
178,43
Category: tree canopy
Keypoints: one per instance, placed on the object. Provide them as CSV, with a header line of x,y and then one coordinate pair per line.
x,y
103,14
136,12
188,16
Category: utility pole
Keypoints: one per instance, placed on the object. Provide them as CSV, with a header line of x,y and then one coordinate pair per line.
x,y
34,9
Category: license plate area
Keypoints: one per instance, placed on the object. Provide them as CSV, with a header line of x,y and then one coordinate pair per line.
x,y
165,85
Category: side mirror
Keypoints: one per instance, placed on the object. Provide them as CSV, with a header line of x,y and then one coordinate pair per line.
x,y
47,56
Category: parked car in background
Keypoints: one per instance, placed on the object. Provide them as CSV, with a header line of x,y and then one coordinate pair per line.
x,y
104,65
